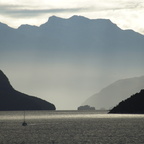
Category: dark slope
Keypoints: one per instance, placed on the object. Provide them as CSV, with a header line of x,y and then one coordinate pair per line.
x,y
10,99
132,105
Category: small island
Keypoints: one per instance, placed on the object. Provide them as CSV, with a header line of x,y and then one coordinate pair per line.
x,y
86,107
13,100
132,105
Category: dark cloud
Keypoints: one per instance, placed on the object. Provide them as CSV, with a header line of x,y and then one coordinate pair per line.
x,y
26,11
30,11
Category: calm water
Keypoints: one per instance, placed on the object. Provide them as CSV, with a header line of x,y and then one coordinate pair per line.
x,y
71,127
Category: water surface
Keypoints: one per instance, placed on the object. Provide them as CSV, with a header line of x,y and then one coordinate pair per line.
x,y
71,127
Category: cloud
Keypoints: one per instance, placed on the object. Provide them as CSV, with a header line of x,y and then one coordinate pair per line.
x,y
29,10
127,14
21,11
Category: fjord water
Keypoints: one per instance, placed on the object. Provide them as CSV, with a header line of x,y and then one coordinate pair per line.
x,y
71,127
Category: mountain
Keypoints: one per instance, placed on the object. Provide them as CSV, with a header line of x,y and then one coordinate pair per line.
x,y
132,105
10,99
74,38
116,92
75,33
73,56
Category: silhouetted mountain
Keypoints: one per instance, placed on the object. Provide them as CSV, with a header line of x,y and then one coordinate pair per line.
x,y
76,33
132,105
116,92
10,99
74,37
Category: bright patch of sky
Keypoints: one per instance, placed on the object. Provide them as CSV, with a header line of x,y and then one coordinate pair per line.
x,y
127,14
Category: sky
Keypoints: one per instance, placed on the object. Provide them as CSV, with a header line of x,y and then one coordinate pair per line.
x,y
127,14
66,84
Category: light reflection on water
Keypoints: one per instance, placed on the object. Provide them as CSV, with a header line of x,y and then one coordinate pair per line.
x,y
71,127
12,115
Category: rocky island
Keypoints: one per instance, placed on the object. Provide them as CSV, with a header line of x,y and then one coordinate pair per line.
x,y
11,99
132,105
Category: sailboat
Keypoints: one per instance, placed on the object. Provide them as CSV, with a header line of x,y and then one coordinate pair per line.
x,y
24,122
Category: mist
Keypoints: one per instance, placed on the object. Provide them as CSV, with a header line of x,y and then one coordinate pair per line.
x,y
66,82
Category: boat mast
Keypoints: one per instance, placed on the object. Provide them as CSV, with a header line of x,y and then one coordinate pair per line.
x,y
24,123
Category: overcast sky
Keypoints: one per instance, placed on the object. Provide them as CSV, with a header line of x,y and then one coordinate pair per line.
x,y
127,14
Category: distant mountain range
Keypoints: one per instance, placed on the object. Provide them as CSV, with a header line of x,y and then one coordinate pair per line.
x,y
73,34
74,38
106,50
10,99
116,92
132,105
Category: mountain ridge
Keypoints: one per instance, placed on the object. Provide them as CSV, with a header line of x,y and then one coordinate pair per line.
x,y
11,99
75,18
115,92
76,32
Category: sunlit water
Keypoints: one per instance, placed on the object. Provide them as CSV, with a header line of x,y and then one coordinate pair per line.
x,y
71,127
